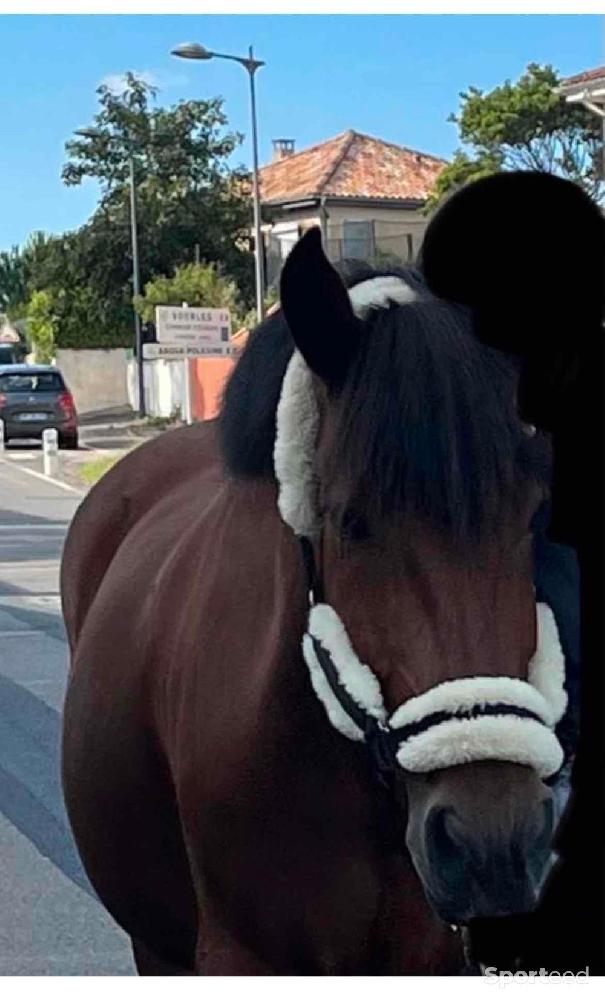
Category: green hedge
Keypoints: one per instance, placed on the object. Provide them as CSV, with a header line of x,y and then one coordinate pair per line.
x,y
92,324
95,338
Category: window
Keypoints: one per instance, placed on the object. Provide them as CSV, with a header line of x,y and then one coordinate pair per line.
x,y
358,240
38,382
287,235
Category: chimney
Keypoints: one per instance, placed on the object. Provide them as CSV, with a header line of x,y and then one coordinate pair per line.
x,y
282,148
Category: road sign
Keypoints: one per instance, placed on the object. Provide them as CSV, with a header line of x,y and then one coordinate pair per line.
x,y
180,352
185,325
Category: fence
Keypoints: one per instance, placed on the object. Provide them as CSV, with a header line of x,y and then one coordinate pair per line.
x,y
165,392
394,250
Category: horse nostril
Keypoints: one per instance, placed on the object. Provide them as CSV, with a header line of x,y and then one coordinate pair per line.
x,y
548,826
443,845
539,854
448,863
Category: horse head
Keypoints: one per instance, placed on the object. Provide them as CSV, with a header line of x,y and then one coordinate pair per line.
x,y
405,470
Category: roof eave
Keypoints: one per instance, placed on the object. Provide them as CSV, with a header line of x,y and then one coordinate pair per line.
x,y
362,201
305,201
311,201
593,90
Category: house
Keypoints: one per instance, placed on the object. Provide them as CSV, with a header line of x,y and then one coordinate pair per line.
x,y
588,88
367,195
13,346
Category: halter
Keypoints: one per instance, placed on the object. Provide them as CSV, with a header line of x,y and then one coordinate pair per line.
x,y
456,721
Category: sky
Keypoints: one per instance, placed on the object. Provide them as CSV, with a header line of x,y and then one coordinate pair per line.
x,y
396,77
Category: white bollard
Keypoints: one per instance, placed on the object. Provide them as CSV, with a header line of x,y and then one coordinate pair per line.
x,y
50,451
2,442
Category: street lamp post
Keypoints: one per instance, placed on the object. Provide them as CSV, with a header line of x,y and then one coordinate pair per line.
x,y
93,133
192,50
136,288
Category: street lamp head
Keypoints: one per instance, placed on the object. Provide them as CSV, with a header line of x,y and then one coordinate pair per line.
x,y
192,50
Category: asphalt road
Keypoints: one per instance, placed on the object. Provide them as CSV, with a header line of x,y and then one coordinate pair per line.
x,y
50,921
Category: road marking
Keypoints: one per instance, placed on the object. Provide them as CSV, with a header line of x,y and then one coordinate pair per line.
x,y
51,599
10,633
45,479
25,525
30,595
19,566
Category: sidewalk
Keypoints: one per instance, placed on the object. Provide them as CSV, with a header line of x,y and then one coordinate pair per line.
x,y
113,415
71,462
51,923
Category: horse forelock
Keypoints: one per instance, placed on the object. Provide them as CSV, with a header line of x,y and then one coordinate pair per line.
x,y
426,421
247,420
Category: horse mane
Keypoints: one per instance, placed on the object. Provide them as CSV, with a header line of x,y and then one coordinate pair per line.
x,y
426,421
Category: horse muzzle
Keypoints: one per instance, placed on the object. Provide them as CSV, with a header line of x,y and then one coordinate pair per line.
x,y
481,866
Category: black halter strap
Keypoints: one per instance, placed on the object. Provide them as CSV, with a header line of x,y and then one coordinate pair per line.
x,y
380,740
314,583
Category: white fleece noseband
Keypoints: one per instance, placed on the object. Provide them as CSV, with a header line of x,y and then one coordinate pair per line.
x,y
458,721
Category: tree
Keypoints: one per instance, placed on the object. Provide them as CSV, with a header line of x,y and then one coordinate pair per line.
x,y
200,285
190,204
13,283
91,307
195,284
459,172
41,325
179,149
524,126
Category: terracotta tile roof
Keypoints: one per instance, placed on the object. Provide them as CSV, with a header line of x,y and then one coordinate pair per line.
x,y
351,165
587,77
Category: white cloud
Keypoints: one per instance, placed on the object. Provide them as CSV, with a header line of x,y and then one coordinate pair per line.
x,y
116,82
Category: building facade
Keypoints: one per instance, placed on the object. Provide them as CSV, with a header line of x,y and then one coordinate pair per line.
x,y
366,195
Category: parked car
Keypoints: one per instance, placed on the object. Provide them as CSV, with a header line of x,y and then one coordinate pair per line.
x,y
12,354
34,397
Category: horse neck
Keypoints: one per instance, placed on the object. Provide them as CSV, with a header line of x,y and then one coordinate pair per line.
x,y
264,552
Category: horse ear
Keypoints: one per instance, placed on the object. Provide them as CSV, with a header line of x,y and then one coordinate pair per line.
x,y
526,252
318,310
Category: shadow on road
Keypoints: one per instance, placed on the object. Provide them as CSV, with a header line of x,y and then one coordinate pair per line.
x,y
30,788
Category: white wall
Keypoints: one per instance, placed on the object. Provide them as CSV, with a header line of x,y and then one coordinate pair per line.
x,y
96,378
163,387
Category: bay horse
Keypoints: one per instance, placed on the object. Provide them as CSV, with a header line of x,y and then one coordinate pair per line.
x,y
311,716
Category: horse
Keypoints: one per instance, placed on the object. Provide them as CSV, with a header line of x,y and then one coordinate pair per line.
x,y
311,718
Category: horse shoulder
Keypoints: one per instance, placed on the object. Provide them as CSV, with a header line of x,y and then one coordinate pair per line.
x,y
133,487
